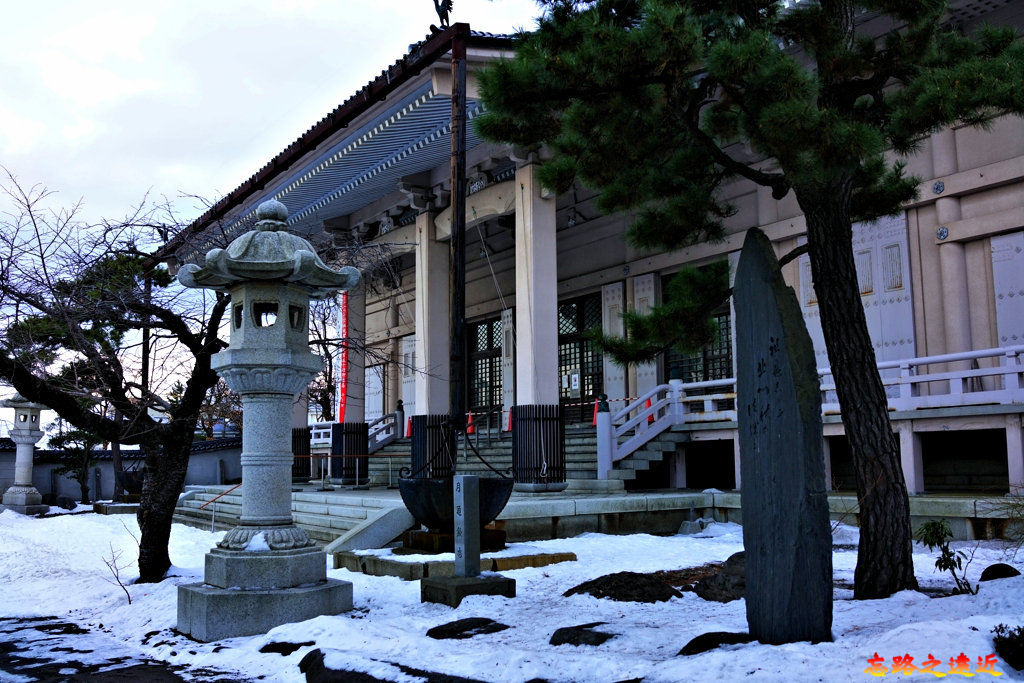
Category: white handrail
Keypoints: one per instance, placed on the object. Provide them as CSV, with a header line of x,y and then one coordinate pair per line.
x,y
628,429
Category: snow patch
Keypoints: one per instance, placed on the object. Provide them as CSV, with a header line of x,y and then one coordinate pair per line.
x,y
257,543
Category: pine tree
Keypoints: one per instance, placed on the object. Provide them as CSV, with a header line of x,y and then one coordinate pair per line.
x,y
647,102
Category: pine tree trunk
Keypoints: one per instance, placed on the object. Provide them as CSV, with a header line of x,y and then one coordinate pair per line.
x,y
884,557
166,464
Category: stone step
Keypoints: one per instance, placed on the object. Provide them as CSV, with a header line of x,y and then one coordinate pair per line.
x,y
635,464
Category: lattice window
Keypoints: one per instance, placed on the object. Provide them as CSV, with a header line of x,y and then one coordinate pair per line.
x,y
485,375
580,363
714,361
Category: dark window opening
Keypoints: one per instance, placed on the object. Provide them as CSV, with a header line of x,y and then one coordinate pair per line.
x,y
485,368
580,363
238,316
296,317
971,461
264,314
714,361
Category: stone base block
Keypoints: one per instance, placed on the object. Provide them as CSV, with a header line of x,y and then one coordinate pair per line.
x,y
209,613
450,590
265,570
27,509
22,498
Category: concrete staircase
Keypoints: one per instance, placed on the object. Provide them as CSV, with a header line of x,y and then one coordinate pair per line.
x,y
580,455
652,452
325,517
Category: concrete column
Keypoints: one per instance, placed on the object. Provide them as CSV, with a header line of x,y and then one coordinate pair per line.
x,y
536,292
355,404
646,292
1015,454
952,257
910,458
433,320
393,377
677,470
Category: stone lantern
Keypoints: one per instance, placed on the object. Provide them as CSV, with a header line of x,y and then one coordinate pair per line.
x,y
22,496
266,571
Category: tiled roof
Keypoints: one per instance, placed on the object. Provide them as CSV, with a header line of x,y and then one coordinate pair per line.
x,y
420,55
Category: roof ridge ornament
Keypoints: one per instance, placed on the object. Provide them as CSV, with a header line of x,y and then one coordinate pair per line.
x,y
443,9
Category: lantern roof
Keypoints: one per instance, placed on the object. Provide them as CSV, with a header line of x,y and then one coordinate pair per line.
x,y
19,402
268,253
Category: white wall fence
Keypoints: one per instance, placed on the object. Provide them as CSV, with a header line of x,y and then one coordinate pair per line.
x,y
988,376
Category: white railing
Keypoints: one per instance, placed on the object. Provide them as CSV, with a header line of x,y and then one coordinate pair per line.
x,y
988,376
320,436
381,431
384,430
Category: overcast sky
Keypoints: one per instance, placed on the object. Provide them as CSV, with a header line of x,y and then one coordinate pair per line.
x,y
104,101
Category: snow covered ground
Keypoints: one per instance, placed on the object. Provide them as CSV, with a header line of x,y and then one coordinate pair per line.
x,y
56,566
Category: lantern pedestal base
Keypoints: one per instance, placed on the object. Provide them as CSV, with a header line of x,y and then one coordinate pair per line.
x,y
209,613
24,500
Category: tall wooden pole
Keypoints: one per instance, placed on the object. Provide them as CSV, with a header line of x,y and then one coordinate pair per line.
x,y
457,245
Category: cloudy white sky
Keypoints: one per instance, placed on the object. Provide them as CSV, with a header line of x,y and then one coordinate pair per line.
x,y
107,101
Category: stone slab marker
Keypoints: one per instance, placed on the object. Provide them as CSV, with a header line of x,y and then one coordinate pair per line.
x,y
467,525
786,530
451,590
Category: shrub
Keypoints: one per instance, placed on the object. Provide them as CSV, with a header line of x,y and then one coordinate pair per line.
x,y
936,534
1010,645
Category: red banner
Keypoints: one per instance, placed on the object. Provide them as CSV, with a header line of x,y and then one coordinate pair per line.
x,y
343,357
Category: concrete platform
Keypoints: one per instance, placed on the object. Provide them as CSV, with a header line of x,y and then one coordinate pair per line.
x,y
208,613
597,508
413,568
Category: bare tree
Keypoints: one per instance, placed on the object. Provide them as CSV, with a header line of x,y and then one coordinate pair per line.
x,y
83,315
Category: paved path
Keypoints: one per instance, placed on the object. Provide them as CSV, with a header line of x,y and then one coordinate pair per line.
x,y
49,649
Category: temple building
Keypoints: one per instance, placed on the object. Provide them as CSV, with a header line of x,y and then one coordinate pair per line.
x,y
942,285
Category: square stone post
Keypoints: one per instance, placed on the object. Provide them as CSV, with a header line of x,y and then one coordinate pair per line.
x,y
1015,454
910,458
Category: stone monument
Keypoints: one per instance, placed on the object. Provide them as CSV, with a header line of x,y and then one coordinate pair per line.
x,y
22,496
266,571
786,532
450,590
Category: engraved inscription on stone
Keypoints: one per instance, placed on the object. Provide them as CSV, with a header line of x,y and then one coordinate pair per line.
x,y
466,492
786,532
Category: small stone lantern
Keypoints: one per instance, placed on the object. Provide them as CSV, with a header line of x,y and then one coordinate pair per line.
x,y
266,571
22,496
